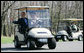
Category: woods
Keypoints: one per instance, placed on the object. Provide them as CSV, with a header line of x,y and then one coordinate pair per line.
x,y
58,10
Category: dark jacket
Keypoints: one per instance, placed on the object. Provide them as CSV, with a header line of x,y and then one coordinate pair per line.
x,y
69,30
21,23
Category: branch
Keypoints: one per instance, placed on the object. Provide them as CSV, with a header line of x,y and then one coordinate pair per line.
x,y
7,9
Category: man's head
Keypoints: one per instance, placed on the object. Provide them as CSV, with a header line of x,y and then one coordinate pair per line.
x,y
23,14
68,23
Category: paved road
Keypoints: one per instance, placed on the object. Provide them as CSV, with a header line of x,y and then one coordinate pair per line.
x,y
69,46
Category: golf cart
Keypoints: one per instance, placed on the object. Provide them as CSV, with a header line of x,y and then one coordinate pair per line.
x,y
75,34
39,32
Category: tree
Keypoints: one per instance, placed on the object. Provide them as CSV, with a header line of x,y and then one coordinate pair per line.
x,y
58,10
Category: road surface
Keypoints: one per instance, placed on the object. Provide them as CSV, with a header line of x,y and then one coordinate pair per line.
x,y
69,46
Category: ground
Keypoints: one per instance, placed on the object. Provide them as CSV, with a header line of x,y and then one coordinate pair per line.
x,y
69,46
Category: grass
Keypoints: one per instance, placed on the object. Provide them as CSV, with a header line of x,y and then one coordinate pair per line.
x,y
5,40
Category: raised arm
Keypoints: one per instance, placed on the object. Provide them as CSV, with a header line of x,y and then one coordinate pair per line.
x,y
15,22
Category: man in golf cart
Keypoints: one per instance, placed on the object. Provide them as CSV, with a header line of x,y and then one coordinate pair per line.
x,y
68,29
71,27
74,27
22,22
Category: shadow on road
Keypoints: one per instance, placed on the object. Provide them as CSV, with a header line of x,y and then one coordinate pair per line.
x,y
23,48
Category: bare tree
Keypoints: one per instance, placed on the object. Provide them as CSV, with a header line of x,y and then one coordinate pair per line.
x,y
58,10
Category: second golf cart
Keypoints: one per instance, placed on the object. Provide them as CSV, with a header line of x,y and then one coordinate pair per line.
x,y
62,34
38,24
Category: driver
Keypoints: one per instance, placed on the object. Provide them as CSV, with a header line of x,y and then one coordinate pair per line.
x,y
68,29
23,22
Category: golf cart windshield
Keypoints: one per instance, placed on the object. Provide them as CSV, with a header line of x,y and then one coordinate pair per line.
x,y
38,18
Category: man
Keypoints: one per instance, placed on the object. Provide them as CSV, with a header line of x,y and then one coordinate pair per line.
x,y
74,27
68,29
22,22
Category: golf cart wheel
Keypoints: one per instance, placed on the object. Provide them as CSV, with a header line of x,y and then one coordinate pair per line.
x,y
51,43
17,45
64,38
57,39
30,44
80,38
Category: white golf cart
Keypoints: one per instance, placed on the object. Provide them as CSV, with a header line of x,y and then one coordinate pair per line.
x,y
75,34
38,24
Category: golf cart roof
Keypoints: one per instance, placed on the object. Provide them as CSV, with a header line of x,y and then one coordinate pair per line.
x,y
72,19
33,8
